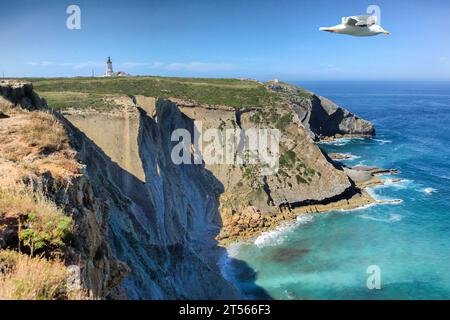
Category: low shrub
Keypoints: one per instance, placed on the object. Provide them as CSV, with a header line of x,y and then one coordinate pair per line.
x,y
43,228
33,278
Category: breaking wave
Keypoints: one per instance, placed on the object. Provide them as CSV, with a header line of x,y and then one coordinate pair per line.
x,y
279,234
341,141
392,218
429,190
382,141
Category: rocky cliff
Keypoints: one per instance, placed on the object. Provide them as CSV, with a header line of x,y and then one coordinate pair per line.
x,y
17,93
163,217
35,156
163,220
321,117
306,179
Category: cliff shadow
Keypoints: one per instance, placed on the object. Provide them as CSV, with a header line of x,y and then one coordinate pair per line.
x,y
169,118
242,275
323,123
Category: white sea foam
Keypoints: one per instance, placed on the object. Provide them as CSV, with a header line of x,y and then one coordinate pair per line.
x,y
341,141
279,234
224,262
361,163
270,238
392,218
440,176
274,237
382,200
304,218
367,206
391,201
335,142
395,183
350,157
382,141
429,190
378,201
344,141
371,192
290,295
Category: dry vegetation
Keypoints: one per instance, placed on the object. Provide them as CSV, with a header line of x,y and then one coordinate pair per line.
x,y
44,132
5,106
33,278
36,142
43,228
32,143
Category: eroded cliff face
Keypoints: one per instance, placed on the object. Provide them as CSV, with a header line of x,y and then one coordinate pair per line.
x,y
304,173
163,217
89,259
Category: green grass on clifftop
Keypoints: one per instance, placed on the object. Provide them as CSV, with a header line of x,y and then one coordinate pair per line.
x,y
63,93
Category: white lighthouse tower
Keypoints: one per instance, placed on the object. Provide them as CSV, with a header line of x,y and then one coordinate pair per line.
x,y
109,68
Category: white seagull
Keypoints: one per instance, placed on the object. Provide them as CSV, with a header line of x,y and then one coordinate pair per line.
x,y
358,26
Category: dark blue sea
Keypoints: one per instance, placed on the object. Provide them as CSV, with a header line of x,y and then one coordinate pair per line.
x,y
326,256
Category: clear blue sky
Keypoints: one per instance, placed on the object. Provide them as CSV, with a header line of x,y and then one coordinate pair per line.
x,y
235,38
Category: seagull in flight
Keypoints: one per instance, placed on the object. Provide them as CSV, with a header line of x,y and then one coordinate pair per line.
x,y
358,26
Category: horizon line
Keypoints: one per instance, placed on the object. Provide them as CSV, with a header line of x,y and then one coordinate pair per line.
x,y
265,79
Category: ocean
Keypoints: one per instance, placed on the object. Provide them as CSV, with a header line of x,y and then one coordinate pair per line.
x,y
327,256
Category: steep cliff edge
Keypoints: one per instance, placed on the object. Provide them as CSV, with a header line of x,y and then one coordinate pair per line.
x,y
39,176
18,93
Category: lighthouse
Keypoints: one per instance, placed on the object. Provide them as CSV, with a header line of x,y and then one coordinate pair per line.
x,y
109,68
110,73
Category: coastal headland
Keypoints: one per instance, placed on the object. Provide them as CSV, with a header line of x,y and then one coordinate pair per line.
x,y
135,212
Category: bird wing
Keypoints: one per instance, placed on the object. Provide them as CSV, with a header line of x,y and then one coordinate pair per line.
x,y
360,21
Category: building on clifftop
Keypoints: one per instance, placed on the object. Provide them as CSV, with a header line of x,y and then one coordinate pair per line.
x,y
109,70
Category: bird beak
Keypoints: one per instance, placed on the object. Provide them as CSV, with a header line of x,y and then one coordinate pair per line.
x,y
386,32
327,29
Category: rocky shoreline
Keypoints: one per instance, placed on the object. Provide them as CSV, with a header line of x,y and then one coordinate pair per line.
x,y
336,137
251,222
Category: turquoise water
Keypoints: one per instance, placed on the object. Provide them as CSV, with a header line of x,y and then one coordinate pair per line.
x,y
326,256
